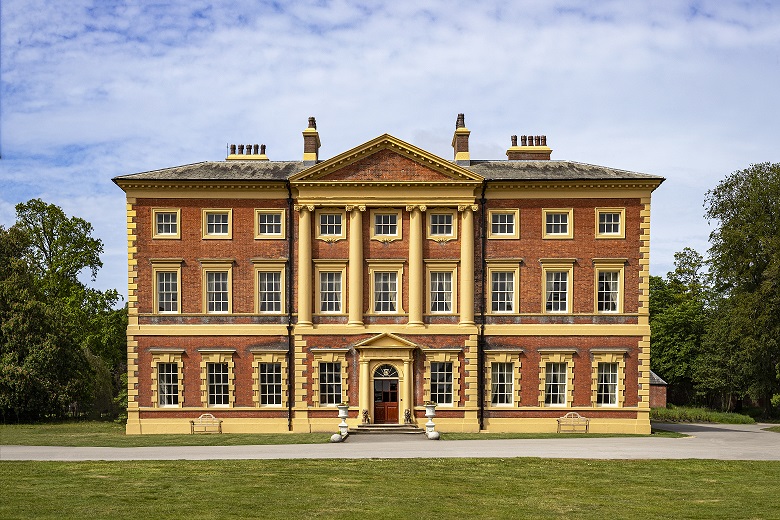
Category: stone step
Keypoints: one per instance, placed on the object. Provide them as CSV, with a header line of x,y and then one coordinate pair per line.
x,y
387,429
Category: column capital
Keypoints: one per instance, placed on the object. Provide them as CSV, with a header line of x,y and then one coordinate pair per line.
x,y
299,207
466,207
359,207
412,207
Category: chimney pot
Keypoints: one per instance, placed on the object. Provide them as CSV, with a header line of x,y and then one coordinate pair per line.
x,y
232,149
241,149
255,148
514,140
461,121
544,140
523,141
262,149
312,123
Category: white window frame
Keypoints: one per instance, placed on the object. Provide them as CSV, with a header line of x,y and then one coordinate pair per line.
x,y
322,266
262,265
268,356
443,389
606,265
205,213
504,266
549,212
557,356
441,266
259,235
330,237
171,356
612,356
385,266
452,213
514,213
216,356
166,211
621,233
216,266
386,237
558,265
166,265
504,390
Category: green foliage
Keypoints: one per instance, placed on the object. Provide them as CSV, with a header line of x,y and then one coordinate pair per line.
x,y
61,343
675,414
745,263
678,320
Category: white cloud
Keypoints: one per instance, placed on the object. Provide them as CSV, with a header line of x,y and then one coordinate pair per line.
x,y
94,89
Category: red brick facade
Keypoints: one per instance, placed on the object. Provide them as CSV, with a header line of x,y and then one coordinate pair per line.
x,y
388,177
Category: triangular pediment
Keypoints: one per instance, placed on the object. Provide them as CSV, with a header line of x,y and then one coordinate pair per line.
x,y
386,160
386,340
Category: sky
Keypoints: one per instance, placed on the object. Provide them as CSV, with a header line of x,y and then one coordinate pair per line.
x,y
89,90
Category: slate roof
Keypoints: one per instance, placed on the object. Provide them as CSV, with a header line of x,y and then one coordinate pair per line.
x,y
491,170
655,379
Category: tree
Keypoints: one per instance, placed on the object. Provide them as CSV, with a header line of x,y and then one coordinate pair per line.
x,y
745,264
678,320
62,344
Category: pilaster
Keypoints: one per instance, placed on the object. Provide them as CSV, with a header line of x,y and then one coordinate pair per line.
x,y
416,268
304,264
355,265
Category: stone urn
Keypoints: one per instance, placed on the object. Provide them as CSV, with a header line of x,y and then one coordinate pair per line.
x,y
343,414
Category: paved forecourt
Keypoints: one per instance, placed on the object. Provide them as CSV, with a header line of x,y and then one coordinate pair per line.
x,y
720,441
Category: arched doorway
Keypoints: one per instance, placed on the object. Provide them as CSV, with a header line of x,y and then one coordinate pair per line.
x,y
385,394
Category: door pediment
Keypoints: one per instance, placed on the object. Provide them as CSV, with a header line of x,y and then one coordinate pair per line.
x,y
386,346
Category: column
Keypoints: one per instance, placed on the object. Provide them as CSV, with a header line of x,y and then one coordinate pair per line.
x,y
356,265
467,265
408,390
304,265
364,389
416,277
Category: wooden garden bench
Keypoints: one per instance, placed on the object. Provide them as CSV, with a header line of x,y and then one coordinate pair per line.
x,y
206,423
573,422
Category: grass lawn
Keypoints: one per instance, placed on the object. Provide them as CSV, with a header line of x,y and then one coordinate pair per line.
x,y
773,429
379,488
109,434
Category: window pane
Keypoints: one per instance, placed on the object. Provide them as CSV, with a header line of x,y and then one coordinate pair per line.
x,y
269,223
441,382
216,223
218,389
168,384
269,291
386,224
608,291
167,223
609,223
385,291
441,292
502,387
607,383
167,292
330,292
217,291
270,382
330,224
557,223
441,224
502,223
330,383
555,383
502,291
557,291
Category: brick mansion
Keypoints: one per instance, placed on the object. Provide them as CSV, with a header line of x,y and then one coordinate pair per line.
x,y
506,291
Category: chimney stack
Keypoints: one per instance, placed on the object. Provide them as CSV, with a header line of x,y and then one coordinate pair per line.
x,y
532,147
247,152
311,143
460,142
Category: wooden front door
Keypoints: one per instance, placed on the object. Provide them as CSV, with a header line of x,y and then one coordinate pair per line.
x,y
385,401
